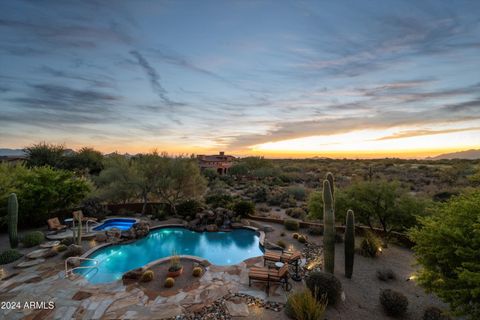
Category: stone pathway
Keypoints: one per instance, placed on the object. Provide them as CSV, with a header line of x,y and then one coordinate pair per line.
x,y
77,299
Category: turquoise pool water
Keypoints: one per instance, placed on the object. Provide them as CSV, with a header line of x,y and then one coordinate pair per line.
x,y
220,248
119,223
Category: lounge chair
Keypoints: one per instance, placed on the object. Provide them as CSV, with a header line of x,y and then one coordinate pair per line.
x,y
78,215
55,225
270,275
292,258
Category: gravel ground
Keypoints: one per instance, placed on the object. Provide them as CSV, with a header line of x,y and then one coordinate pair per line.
x,y
362,291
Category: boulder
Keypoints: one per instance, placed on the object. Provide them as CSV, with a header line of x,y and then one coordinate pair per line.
x,y
113,233
133,274
141,229
128,234
236,225
74,250
100,237
212,228
267,228
237,309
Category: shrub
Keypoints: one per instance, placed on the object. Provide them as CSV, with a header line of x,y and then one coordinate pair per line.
x,y
297,213
147,276
315,231
291,225
370,245
61,248
169,282
322,283
263,208
434,313
302,239
188,208
394,303
288,203
67,241
33,238
244,208
9,255
385,274
197,272
295,235
445,247
303,305
282,234
298,193
219,200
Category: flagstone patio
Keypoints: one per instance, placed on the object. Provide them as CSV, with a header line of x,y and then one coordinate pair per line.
x,y
78,299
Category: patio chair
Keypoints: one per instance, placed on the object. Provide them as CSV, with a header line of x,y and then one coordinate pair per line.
x,y
270,275
55,225
78,215
291,258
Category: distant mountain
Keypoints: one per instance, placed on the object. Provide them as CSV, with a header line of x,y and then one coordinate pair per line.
x,y
472,154
4,152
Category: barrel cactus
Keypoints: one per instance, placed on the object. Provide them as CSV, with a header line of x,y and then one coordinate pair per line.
x,y
329,227
13,220
349,244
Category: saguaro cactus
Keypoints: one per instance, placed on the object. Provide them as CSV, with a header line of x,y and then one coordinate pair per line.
x,y
328,228
349,244
13,220
331,180
79,235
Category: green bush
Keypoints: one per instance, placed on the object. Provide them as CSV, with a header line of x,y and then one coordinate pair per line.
x,y
298,193
244,208
447,247
281,244
297,213
322,283
394,303
303,305
9,255
219,200
370,245
291,225
188,208
434,313
385,274
32,239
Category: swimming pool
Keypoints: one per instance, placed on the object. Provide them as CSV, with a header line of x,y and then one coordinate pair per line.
x,y
119,223
220,248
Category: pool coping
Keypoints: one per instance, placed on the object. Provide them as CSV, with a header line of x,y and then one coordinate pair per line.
x,y
197,259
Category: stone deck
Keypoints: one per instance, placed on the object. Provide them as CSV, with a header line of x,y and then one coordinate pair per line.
x,y
77,299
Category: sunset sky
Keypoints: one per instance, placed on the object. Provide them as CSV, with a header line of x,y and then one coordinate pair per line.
x,y
274,78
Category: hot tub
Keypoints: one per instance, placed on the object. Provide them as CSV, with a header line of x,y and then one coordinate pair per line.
x,y
118,223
